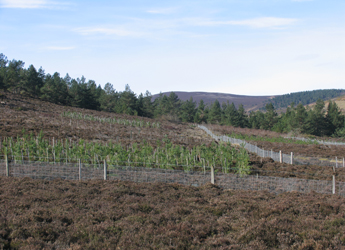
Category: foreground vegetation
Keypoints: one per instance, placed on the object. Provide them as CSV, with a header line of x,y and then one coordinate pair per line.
x,y
126,122
125,215
165,155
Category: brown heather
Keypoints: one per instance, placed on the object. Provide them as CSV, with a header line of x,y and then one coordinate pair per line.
x,y
39,214
33,115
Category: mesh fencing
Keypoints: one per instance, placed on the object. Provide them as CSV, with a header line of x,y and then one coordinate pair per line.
x,y
318,141
277,156
74,171
275,185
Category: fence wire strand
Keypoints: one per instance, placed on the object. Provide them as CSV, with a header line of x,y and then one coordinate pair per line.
x,y
276,156
74,171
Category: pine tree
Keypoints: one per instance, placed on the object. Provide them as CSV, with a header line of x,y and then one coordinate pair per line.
x,y
145,105
200,114
127,102
242,117
108,98
215,114
188,110
34,82
55,90
3,67
334,117
13,78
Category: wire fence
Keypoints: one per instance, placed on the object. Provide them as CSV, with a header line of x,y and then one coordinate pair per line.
x,y
80,171
277,156
318,141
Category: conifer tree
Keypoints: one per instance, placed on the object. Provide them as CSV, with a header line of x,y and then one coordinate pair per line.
x,y
215,114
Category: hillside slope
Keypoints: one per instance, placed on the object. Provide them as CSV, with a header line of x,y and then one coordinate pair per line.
x,y
249,102
305,97
253,103
20,113
339,100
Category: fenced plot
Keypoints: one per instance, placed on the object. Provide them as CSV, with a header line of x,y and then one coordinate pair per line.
x,y
277,156
73,171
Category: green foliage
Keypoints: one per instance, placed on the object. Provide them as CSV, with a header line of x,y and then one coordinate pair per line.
x,y
34,82
55,89
242,162
84,94
165,155
13,77
188,110
215,114
168,106
316,121
133,123
305,97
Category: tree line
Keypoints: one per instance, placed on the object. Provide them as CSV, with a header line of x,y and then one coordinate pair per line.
x,y
82,93
305,97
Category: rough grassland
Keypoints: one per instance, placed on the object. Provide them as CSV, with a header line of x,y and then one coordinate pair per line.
x,y
38,214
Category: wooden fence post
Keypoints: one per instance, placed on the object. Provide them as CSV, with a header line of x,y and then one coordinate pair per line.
x,y
333,186
79,169
336,162
291,158
212,174
280,156
7,168
105,170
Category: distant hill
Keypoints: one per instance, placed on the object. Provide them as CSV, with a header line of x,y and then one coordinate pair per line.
x,y
249,102
305,97
253,103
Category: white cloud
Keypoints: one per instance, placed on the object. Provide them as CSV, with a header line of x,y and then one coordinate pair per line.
x,y
306,57
162,11
262,22
23,4
265,22
107,31
59,48
30,4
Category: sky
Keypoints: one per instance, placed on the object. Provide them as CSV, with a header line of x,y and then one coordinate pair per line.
x,y
245,47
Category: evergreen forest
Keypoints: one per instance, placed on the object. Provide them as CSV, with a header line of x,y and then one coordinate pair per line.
x,y
319,120
305,97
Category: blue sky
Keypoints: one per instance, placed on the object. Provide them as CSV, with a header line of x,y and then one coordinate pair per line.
x,y
249,47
